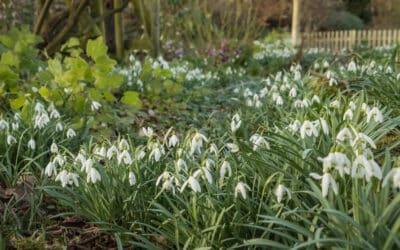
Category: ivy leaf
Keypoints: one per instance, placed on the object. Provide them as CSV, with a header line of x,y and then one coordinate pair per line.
x,y
17,103
96,48
9,58
44,92
132,98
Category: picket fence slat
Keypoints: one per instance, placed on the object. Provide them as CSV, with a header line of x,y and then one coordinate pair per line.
x,y
339,40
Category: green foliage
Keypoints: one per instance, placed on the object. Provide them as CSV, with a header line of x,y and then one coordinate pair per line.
x,y
342,20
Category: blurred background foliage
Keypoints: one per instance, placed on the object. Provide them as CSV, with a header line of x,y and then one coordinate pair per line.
x,y
175,28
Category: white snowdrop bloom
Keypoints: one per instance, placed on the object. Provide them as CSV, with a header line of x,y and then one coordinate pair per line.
x,y
325,64
335,104
344,134
333,82
123,144
225,168
324,126
63,177
193,184
163,177
197,143
148,132
4,125
54,114
365,139
295,126
232,147
80,158
249,102
394,176
263,92
352,105
59,159
32,144
348,115
71,133
205,174
293,92
39,107
298,104
326,181
100,151
54,148
168,184
316,65
132,178
236,90
280,191
330,74
362,168
305,103
389,70
87,165
124,157
41,120
140,155
156,153
308,129
11,140
352,67
375,114
297,76
181,164
259,141
241,188
315,99
73,179
173,141
15,126
213,149
336,161
365,108
95,106
59,127
50,169
93,176
112,151
279,100
247,92
398,77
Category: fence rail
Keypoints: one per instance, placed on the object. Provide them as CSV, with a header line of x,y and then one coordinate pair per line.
x,y
347,39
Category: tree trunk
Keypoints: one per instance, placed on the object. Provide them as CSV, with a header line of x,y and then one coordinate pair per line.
x,y
156,28
296,17
109,31
118,27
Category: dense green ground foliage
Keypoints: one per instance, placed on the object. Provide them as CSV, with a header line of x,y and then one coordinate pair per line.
x,y
244,151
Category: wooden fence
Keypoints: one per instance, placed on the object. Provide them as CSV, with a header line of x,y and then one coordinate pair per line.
x,y
348,39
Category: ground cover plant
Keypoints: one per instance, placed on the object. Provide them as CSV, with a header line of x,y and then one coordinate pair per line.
x,y
185,154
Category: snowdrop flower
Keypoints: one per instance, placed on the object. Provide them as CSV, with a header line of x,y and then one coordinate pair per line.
x,y
389,70
376,114
41,120
3,124
279,100
95,106
180,163
155,153
225,167
63,177
54,114
125,157
59,160
263,92
132,178
93,176
326,181
348,115
335,104
140,154
333,82
297,76
11,140
337,161
352,67
235,123
352,105
293,92
169,185
39,107
209,163
363,167
213,149
295,126
193,183
59,127
50,169
259,141
197,143
173,141
316,65
112,151
325,64
70,133
241,188
394,175
15,126
324,125
205,174
308,129
280,191
365,108
87,165
148,132
54,148
344,134
73,179
123,145
365,139
102,152
398,77
232,147
32,144
315,99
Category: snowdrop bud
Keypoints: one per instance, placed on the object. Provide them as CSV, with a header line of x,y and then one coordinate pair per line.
x,y
50,169
70,133
11,140
132,178
93,176
235,123
54,148
59,127
280,191
232,147
241,188
225,167
3,125
32,144
352,67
